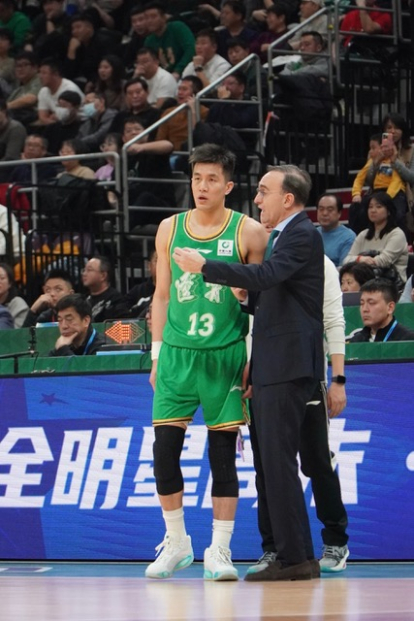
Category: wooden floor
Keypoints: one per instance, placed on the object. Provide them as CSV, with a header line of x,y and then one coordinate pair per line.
x,y
120,592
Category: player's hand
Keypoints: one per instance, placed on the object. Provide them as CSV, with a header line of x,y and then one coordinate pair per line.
x,y
336,399
189,260
248,388
153,374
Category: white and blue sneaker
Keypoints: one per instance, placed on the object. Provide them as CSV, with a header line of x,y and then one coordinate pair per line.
x,y
334,558
172,555
218,564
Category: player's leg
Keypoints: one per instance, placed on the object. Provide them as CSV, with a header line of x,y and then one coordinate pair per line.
x,y
224,411
170,418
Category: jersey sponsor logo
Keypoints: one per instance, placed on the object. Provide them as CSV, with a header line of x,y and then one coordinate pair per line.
x,y
203,251
225,248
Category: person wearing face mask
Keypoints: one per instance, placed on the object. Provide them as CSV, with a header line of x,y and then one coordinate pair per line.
x,y
67,126
98,119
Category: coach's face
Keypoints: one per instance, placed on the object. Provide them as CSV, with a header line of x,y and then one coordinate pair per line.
x,y
273,202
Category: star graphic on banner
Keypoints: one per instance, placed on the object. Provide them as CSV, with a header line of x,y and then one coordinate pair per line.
x,y
51,399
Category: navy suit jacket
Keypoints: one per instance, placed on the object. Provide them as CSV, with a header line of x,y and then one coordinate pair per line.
x,y
287,292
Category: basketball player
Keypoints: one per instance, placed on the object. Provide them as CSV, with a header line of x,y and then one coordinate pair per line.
x,y
199,357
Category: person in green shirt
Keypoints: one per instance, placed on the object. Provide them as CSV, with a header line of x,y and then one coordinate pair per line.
x,y
173,41
15,21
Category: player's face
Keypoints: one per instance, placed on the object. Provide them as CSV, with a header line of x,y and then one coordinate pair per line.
x,y
209,186
272,200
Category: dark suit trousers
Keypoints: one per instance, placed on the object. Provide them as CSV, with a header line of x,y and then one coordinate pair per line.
x,y
279,413
316,464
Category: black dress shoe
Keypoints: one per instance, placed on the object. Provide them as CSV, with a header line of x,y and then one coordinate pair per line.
x,y
315,568
277,571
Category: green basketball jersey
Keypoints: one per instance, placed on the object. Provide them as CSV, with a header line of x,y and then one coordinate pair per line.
x,y
203,315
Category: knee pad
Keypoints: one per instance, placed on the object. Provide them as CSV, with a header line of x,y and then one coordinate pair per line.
x,y
222,456
167,449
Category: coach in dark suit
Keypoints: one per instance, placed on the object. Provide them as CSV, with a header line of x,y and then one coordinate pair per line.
x,y
286,292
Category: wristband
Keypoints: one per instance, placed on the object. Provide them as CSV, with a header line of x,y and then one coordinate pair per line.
x,y
155,349
199,68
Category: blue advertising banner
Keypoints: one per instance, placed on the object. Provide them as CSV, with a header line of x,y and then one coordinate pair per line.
x,y
76,477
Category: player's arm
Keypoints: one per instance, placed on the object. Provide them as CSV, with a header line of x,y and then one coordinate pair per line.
x,y
254,241
161,296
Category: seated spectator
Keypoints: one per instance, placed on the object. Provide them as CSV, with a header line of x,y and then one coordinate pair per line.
x,y
22,101
408,293
56,285
73,167
311,44
176,129
172,41
238,50
383,243
110,82
136,105
139,298
112,142
6,320
17,238
206,64
99,118
51,31
378,300
85,51
67,127
149,160
106,302
353,275
7,77
307,8
9,297
15,21
382,177
35,147
12,137
232,17
139,33
161,84
53,85
236,115
77,335
277,20
370,22
337,238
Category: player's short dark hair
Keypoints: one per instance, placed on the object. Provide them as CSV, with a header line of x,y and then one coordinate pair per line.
x,y
214,154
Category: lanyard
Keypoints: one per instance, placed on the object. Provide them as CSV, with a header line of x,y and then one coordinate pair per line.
x,y
89,343
387,336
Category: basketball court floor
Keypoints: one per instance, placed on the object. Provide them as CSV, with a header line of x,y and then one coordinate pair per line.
x,y
120,592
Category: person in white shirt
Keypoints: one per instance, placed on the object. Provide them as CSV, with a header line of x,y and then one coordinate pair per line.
x,y
161,84
206,64
53,85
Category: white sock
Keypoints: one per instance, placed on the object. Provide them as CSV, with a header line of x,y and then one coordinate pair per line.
x,y
222,532
174,523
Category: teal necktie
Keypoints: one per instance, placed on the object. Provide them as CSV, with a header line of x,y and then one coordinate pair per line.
x,y
269,246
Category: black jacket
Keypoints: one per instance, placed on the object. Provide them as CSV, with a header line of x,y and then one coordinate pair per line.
x,y
91,347
399,333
